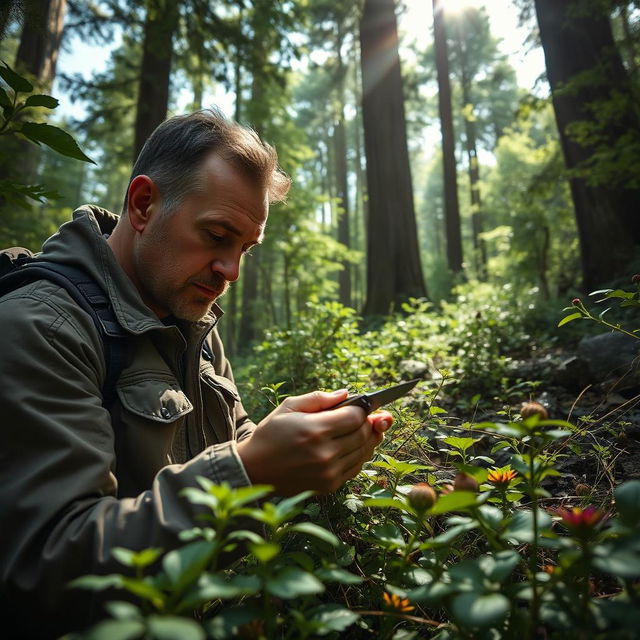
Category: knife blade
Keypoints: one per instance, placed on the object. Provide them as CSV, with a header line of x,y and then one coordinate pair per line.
x,y
374,400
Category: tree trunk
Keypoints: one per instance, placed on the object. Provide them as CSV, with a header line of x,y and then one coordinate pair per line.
x,y
479,249
155,70
40,41
394,272
342,187
451,205
576,41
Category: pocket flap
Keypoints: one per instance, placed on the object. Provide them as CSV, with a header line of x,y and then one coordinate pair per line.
x,y
219,382
157,399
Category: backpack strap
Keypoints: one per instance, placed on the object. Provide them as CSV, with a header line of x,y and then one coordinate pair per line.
x,y
91,298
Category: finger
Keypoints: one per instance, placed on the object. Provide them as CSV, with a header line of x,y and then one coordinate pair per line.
x,y
315,401
380,421
352,463
360,444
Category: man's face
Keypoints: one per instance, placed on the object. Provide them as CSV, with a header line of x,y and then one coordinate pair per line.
x,y
185,259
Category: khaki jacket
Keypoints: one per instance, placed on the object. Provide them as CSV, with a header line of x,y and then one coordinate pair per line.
x,y
70,488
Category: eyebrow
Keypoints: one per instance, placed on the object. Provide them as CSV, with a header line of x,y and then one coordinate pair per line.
x,y
236,232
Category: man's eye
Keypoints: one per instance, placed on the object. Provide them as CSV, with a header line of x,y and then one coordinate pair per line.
x,y
215,237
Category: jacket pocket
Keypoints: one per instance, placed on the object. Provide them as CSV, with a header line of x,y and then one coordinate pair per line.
x,y
149,429
155,397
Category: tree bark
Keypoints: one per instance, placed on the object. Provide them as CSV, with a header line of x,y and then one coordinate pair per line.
x,y
576,41
451,205
155,70
40,41
394,272
479,249
342,187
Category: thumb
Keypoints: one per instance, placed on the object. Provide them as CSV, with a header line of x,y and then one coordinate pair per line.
x,y
315,401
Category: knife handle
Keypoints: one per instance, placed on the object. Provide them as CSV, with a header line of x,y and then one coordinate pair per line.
x,y
359,400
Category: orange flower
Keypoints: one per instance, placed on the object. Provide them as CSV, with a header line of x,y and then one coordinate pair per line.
x,y
501,478
392,601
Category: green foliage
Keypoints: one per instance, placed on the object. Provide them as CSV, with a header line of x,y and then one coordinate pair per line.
x,y
624,300
14,121
459,568
328,347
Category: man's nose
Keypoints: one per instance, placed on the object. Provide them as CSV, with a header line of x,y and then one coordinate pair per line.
x,y
228,267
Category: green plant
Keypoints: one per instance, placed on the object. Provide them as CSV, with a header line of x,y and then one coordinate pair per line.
x,y
17,119
625,299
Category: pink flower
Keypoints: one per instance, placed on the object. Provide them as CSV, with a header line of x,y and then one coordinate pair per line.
x,y
580,521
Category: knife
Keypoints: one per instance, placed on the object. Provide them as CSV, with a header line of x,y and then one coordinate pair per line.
x,y
374,400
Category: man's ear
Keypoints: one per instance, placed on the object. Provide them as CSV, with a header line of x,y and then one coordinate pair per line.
x,y
142,201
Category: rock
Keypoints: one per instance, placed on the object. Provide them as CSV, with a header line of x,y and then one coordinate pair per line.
x,y
573,374
410,369
612,357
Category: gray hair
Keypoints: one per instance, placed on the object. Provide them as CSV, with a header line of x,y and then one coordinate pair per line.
x,y
173,155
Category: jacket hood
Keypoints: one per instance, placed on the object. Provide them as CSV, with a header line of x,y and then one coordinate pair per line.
x,y
82,242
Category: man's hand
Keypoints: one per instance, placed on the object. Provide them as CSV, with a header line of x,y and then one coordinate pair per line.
x,y
303,444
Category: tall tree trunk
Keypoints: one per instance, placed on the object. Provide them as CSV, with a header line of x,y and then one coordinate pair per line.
x,y
394,272
342,186
155,71
479,249
231,317
576,41
40,41
451,204
255,112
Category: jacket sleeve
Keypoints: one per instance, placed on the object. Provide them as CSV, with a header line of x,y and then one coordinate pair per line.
x,y
58,507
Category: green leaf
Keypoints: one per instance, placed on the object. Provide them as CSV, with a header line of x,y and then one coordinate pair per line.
x,y
628,501
335,574
462,444
521,526
242,495
500,565
453,501
144,589
146,557
316,531
185,564
264,551
172,627
386,502
333,617
5,100
122,610
116,630
569,318
225,625
621,562
292,582
480,610
55,138
97,583
388,534
14,80
41,100
219,587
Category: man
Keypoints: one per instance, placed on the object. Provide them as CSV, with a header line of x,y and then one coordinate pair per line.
x,y
78,478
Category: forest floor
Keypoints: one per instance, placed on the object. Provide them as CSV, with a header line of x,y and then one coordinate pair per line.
x,y
604,448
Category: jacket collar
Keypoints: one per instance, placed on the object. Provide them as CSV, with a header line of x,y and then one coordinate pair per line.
x,y
82,242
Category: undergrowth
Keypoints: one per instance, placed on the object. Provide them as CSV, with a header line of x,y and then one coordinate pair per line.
x,y
452,531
